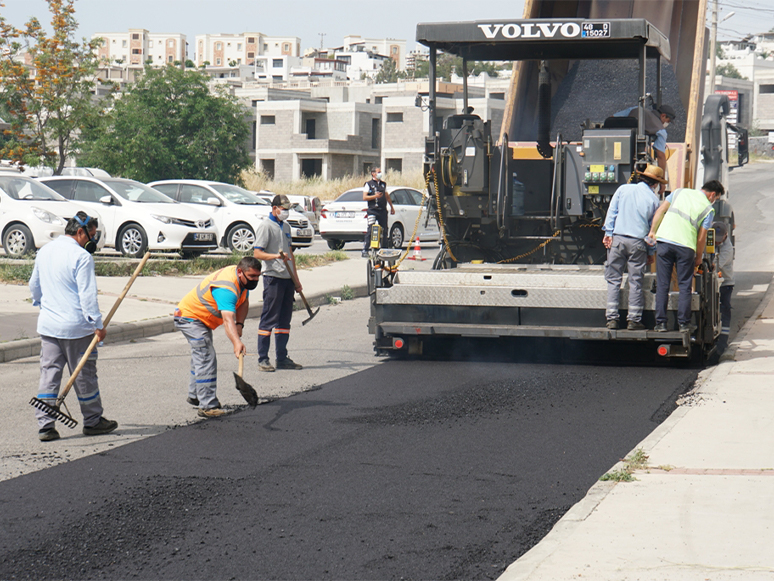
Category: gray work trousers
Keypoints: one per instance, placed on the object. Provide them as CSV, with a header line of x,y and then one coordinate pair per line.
x,y
626,253
54,354
204,362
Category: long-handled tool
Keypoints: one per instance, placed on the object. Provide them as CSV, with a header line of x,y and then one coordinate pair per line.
x,y
53,410
294,276
242,386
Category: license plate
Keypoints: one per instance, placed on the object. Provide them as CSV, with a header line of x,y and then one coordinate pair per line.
x,y
305,232
204,236
345,214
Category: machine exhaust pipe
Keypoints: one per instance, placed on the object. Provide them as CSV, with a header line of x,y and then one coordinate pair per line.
x,y
544,112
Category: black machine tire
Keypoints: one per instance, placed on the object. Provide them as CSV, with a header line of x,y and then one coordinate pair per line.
x,y
18,241
240,238
335,244
396,236
132,241
442,260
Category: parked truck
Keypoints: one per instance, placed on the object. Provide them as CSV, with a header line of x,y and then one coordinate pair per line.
x,y
521,207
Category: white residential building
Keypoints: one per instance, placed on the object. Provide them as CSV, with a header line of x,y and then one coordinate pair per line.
x,y
389,47
242,49
137,46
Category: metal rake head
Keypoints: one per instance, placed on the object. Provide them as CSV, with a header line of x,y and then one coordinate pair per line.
x,y
54,412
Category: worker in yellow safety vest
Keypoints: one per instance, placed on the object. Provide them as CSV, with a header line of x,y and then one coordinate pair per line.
x,y
220,299
680,231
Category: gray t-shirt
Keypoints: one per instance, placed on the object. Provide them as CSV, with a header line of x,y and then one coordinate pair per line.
x,y
271,237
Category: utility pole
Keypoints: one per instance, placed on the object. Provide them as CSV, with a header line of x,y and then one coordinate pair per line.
x,y
322,38
713,45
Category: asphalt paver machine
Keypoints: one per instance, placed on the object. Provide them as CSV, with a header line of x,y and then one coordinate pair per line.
x,y
520,212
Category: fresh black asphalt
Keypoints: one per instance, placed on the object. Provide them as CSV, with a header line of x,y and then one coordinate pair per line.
x,y
444,469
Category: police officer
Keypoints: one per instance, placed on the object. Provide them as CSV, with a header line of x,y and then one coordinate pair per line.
x,y
680,229
272,240
375,193
220,299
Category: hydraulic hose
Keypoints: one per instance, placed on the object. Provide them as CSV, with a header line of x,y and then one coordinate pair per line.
x,y
544,112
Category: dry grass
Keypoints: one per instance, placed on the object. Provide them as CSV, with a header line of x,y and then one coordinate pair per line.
x,y
327,190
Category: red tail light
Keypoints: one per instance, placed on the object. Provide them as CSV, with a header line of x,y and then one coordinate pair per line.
x,y
323,213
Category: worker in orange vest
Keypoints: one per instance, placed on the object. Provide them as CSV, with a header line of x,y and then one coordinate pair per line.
x,y
220,299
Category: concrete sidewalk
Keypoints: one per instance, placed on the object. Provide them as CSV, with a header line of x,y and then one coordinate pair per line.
x,y
704,507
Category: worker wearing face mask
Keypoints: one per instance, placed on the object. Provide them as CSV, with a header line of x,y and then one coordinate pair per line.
x,y
375,193
64,286
220,299
272,239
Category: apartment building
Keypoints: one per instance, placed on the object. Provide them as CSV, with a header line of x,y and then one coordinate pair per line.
x,y
333,130
137,46
237,49
390,47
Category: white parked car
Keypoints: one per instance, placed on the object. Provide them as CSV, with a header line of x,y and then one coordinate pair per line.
x,y
32,214
138,218
236,211
310,207
344,219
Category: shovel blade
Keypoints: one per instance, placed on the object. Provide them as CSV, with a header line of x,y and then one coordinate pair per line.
x,y
311,316
247,391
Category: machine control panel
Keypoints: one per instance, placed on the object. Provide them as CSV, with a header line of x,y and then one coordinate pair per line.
x,y
599,174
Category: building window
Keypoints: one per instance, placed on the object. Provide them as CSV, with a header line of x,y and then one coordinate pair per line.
x,y
250,55
217,62
171,43
218,45
265,47
276,63
267,167
136,51
286,46
267,119
170,59
150,44
395,164
394,117
764,89
378,100
239,46
250,40
123,44
376,124
135,37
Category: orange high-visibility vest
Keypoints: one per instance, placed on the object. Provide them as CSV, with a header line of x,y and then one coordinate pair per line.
x,y
199,303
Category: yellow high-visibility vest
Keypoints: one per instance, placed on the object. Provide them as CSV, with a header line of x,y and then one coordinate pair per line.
x,y
682,221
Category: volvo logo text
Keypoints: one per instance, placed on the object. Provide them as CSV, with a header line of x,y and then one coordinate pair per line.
x,y
531,30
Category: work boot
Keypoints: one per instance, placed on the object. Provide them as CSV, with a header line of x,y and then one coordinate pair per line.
x,y
660,328
288,363
193,401
265,365
364,254
48,435
635,326
211,413
612,324
104,426
687,327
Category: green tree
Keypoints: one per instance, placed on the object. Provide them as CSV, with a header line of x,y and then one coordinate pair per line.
x,y
729,71
389,72
169,125
46,85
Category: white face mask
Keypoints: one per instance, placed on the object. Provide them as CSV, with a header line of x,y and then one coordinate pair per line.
x,y
379,175
666,124
283,215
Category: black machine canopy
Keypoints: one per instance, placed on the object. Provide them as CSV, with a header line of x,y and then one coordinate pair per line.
x,y
546,39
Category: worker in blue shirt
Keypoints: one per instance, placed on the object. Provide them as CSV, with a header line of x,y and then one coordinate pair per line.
x,y
656,123
64,286
627,224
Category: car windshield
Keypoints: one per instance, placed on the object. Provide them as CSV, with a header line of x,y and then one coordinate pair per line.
x,y
238,195
351,196
27,189
137,192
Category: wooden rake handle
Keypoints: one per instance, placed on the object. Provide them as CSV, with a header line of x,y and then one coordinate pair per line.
x,y
105,322
241,364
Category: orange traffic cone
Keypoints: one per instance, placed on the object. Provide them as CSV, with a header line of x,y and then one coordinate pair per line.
x,y
417,251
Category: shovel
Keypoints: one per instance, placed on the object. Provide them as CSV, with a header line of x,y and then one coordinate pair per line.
x,y
242,386
294,276
53,410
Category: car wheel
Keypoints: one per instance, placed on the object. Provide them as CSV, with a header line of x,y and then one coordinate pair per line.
x,y
335,244
240,238
132,241
18,241
396,236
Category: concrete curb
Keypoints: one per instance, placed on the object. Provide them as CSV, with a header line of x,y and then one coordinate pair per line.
x,y
118,332
525,566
